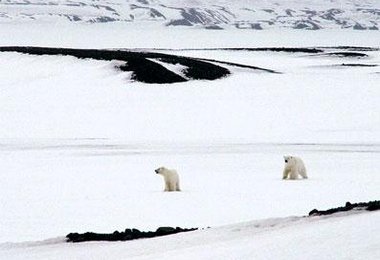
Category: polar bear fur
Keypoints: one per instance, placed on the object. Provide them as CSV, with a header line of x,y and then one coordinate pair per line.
x,y
294,167
171,178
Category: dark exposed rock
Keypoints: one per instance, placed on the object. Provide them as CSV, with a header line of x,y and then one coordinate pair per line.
x,y
358,65
375,205
256,26
348,54
306,24
131,234
293,50
179,22
330,14
154,13
128,234
344,54
193,16
370,206
275,49
353,48
241,65
358,26
144,69
289,12
268,10
144,2
103,19
73,18
196,68
213,27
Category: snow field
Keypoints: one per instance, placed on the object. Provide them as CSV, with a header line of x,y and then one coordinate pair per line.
x,y
95,186
80,142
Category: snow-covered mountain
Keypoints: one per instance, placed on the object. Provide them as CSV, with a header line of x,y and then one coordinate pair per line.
x,y
211,14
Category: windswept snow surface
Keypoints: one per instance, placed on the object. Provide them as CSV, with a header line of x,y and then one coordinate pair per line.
x,y
80,142
314,100
120,35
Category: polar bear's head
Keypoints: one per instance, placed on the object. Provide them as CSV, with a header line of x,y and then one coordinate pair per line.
x,y
160,170
288,159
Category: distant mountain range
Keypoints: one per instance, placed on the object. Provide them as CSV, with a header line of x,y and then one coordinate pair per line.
x,y
209,14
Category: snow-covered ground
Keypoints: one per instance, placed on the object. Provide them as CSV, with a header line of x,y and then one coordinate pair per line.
x,y
51,188
353,236
79,143
149,35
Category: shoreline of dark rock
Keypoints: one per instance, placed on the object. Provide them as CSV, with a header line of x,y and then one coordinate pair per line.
x,y
128,234
369,206
132,234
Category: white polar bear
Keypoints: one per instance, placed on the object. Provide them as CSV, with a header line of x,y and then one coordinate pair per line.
x,y
171,178
294,166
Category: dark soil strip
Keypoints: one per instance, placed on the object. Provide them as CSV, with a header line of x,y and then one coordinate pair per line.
x,y
346,54
358,65
279,49
128,234
352,48
273,49
143,69
283,49
240,65
370,206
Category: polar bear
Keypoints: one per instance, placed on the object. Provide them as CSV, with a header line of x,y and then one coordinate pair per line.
x,y
171,178
294,166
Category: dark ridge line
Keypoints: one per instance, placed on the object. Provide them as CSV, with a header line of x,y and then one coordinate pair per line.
x,y
319,49
276,49
273,49
221,62
369,206
128,234
143,69
343,54
240,65
358,65
353,48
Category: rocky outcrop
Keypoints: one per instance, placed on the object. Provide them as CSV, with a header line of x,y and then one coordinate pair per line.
x,y
128,234
370,206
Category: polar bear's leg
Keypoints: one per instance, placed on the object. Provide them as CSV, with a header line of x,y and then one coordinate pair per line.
x,y
177,188
285,173
302,172
293,175
167,186
171,186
